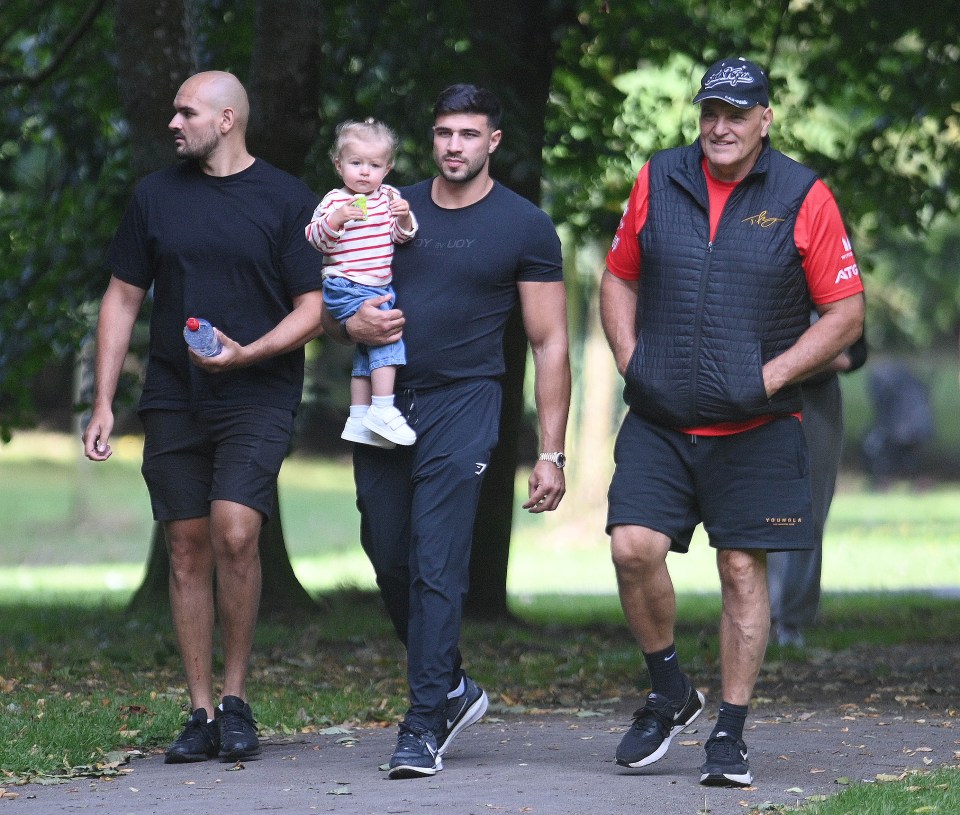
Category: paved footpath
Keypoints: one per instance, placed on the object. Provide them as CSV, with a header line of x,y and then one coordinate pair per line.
x,y
547,764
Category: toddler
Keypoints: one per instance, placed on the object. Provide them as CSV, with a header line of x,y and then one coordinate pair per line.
x,y
355,228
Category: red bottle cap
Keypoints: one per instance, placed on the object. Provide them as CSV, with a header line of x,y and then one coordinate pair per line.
x,y
193,324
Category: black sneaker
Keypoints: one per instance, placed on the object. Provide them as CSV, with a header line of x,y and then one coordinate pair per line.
x,y
416,754
199,740
238,730
462,711
655,725
726,764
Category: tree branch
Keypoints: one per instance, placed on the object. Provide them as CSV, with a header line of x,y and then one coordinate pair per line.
x,y
36,78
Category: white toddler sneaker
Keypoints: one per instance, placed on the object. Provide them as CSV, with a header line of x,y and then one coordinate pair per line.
x,y
389,423
354,430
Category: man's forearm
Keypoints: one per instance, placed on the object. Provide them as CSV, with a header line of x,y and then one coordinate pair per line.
x,y
839,326
552,394
300,326
618,316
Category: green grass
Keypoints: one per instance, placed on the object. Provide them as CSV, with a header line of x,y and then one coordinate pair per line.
x,y
76,537
57,509
922,793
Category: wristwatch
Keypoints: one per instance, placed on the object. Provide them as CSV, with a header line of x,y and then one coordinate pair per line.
x,y
557,458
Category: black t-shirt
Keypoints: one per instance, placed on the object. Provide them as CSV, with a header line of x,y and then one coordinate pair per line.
x,y
456,281
231,250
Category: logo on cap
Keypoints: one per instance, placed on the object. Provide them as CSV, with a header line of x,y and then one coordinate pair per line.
x,y
730,76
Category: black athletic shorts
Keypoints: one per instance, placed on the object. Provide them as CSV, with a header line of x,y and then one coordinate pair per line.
x,y
750,490
229,454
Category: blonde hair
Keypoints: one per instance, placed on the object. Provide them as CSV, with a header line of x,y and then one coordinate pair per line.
x,y
367,130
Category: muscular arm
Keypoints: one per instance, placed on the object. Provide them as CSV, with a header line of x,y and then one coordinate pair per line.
x,y
839,326
300,326
544,307
618,316
118,312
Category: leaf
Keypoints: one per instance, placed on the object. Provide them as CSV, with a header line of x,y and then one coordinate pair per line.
x,y
842,780
334,731
341,790
795,790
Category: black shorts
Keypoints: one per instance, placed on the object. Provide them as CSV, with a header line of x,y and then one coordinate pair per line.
x,y
228,454
750,490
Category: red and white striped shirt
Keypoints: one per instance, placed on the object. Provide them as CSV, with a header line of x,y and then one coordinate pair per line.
x,y
363,250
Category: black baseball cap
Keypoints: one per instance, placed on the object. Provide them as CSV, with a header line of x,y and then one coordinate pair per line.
x,y
736,81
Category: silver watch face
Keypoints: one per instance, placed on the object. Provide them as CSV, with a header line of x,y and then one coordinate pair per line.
x,y
561,460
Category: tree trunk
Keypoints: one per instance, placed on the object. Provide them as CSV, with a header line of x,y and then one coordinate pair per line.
x,y
487,595
284,86
518,65
155,47
282,593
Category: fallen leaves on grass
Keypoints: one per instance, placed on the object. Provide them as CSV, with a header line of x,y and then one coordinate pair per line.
x,y
111,767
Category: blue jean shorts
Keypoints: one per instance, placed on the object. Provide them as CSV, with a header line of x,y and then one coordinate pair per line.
x,y
342,298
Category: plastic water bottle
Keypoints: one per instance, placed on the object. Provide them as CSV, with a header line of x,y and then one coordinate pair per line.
x,y
201,337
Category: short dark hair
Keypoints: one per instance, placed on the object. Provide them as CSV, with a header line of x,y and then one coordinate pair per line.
x,y
464,98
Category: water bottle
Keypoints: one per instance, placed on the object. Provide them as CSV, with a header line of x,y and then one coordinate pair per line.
x,y
202,337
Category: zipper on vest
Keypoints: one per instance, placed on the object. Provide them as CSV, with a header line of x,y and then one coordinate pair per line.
x,y
701,297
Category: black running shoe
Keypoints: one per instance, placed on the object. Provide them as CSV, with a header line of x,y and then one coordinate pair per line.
x,y
199,740
462,711
726,764
655,725
416,754
238,730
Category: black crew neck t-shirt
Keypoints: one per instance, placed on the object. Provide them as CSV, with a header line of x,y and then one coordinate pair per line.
x,y
231,250
456,282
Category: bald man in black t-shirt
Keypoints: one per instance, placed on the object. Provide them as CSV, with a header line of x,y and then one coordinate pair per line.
x,y
219,236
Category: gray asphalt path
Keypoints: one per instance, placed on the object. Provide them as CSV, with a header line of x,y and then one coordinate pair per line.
x,y
547,764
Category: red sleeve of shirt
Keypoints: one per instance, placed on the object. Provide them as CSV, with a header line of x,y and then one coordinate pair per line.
x,y
825,247
623,259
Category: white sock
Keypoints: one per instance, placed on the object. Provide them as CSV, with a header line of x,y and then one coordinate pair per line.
x,y
458,690
358,411
383,401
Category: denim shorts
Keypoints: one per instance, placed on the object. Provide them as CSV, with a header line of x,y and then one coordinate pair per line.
x,y
750,490
342,298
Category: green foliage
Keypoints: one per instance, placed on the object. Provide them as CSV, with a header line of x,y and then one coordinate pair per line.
x,y
865,92
63,177
914,287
